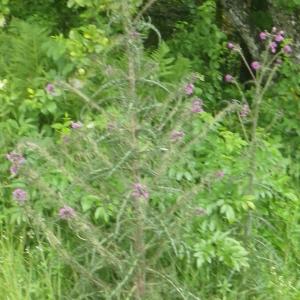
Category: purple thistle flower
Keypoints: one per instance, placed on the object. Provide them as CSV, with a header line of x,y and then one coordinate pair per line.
x,y
14,169
273,47
263,36
230,45
287,49
76,125
228,78
15,158
177,135
245,111
279,38
220,174
189,89
17,161
50,89
66,213
140,191
197,106
255,65
20,195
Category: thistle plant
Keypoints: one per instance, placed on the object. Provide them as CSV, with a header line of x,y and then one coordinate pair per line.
x,y
275,47
141,179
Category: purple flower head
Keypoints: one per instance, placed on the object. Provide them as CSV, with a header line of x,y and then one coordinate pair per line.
x,y
273,47
177,135
263,36
15,158
76,125
17,161
140,191
255,65
287,49
245,111
66,213
14,169
50,89
230,45
279,38
220,174
189,89
197,106
228,78
20,195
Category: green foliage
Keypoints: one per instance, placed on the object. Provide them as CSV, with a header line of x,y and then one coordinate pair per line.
x,y
51,14
29,272
201,41
216,215
293,4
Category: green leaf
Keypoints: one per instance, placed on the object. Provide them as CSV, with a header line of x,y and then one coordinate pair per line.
x,y
100,213
51,107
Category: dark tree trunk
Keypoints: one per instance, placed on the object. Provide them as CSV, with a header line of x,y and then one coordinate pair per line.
x,y
239,11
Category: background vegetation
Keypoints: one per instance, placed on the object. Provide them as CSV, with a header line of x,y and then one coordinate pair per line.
x,y
144,155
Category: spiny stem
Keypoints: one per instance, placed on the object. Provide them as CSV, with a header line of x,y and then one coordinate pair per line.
x,y
139,243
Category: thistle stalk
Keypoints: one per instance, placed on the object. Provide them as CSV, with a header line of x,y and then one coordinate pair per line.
x,y
139,241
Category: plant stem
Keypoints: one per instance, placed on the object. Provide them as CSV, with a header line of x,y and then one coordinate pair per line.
x,y
260,91
139,243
